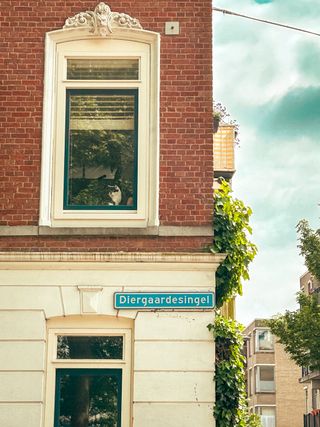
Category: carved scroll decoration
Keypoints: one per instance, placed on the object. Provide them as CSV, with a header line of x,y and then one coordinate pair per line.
x,y
101,21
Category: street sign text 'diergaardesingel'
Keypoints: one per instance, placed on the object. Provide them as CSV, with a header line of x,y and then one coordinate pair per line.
x,y
163,300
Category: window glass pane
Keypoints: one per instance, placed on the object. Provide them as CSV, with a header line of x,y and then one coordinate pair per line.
x,y
103,69
101,149
265,378
94,347
264,340
267,416
88,398
265,410
266,373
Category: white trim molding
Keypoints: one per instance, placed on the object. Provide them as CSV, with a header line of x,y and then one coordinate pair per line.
x,y
89,299
100,33
139,259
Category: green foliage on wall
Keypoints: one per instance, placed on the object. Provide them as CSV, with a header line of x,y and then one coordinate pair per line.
x,y
231,228
231,408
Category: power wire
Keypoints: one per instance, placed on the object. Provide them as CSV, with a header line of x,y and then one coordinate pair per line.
x,y
229,12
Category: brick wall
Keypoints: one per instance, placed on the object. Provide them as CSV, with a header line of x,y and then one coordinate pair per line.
x,y
106,244
290,397
186,107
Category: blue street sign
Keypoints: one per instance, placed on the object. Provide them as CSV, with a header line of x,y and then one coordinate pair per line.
x,y
163,300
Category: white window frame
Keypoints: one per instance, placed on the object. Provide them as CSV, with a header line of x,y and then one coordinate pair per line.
x,y
250,382
258,378
250,345
267,420
53,363
124,43
257,344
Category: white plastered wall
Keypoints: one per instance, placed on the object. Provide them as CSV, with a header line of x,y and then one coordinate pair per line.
x,y
172,352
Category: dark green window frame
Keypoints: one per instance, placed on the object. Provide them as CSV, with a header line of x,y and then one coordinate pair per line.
x,y
81,207
116,373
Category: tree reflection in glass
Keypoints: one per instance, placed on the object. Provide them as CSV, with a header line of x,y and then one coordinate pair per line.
x,y
101,149
90,347
88,398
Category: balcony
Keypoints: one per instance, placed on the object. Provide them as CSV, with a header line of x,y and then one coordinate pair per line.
x,y
223,151
309,375
312,419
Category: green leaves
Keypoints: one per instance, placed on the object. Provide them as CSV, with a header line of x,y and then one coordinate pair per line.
x,y
310,247
231,408
231,229
299,331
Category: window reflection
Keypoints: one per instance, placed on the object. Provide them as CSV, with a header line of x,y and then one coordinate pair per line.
x,y
88,398
101,149
103,69
264,340
92,347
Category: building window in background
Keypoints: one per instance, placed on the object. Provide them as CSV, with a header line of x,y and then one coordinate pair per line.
x,y
268,415
265,379
264,340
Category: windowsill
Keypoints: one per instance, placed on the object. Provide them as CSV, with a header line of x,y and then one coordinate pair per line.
x,y
161,231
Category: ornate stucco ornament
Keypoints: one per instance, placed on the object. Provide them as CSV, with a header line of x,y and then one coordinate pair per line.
x,y
102,20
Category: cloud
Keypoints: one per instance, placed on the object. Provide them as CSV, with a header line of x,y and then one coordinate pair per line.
x,y
296,113
303,12
308,60
269,80
273,285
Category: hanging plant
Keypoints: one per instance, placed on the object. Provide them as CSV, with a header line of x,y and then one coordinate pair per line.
x,y
216,121
220,115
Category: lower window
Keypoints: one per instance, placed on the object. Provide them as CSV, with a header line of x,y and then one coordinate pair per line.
x,y
89,372
88,398
268,415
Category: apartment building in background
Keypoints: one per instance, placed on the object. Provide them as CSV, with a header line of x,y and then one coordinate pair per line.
x,y
106,283
273,387
311,379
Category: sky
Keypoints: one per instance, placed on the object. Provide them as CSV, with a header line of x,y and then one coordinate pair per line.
x,y
268,78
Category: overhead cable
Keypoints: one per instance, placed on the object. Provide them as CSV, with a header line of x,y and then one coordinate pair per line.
x,y
229,12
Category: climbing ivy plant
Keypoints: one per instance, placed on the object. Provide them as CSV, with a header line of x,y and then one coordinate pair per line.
x,y
231,409
231,230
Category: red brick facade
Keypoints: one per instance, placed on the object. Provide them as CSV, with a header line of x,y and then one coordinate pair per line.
x,y
107,244
185,119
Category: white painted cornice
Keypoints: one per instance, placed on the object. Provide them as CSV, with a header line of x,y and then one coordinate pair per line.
x,y
111,260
